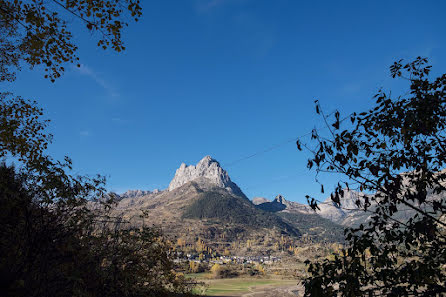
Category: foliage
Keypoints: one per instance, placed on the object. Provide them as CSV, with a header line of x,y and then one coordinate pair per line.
x,y
196,267
23,138
215,268
58,238
236,210
22,130
59,252
36,31
273,206
134,262
395,150
317,228
223,271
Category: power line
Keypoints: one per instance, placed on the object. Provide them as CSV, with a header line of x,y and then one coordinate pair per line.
x,y
279,145
271,148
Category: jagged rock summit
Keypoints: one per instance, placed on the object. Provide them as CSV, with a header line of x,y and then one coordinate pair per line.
x,y
279,203
136,193
207,171
280,199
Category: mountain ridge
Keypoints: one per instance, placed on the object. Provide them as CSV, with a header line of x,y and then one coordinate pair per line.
x,y
203,203
209,169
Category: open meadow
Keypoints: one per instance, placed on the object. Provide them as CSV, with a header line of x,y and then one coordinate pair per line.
x,y
246,286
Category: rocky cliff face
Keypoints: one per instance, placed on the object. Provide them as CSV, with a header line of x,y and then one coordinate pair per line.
x,y
207,171
280,199
348,214
281,204
135,193
329,210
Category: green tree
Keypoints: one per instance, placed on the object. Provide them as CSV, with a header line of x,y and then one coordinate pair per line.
x,y
58,237
66,251
36,32
396,153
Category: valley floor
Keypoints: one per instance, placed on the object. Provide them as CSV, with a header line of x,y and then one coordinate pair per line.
x,y
249,287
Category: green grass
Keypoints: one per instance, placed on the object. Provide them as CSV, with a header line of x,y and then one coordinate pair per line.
x,y
199,276
238,286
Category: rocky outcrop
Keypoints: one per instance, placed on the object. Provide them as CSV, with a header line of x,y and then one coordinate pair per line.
x,y
329,210
259,200
346,214
209,172
135,194
274,206
290,206
279,199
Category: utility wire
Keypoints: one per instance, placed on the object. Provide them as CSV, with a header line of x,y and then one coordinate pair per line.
x,y
281,144
271,148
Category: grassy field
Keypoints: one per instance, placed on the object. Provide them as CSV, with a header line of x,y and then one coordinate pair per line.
x,y
239,286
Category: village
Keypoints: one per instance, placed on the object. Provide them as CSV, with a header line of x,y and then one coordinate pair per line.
x,y
267,260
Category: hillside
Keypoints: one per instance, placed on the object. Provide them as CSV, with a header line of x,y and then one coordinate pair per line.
x,y
305,219
202,204
210,209
228,208
314,227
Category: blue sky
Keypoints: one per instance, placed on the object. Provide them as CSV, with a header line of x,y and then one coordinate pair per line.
x,y
228,78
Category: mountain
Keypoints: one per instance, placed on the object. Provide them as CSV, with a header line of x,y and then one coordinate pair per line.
x,y
348,208
202,203
207,171
314,226
217,204
279,203
348,214
135,193
259,200
303,217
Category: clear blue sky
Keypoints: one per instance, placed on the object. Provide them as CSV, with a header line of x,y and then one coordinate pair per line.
x,y
228,78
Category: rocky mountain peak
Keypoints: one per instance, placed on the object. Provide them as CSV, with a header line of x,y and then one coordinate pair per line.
x,y
280,199
330,210
207,160
134,194
208,171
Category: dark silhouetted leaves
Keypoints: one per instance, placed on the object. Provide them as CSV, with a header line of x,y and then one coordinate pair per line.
x,y
396,150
